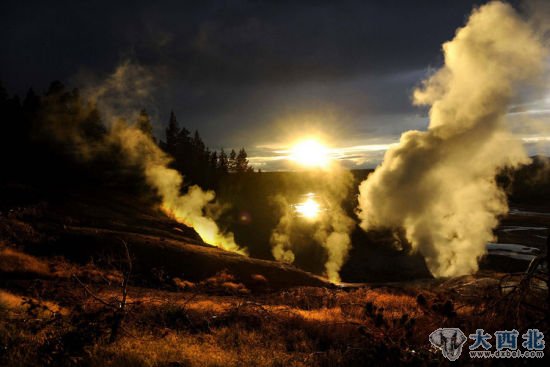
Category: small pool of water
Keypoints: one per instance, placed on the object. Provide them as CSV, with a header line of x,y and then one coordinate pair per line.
x,y
513,250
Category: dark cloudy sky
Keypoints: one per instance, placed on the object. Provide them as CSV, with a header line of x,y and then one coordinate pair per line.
x,y
247,73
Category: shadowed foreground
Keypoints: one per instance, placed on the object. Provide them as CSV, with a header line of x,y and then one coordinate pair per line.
x,y
62,263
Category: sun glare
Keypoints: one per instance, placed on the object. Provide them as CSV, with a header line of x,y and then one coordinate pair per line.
x,y
310,153
309,209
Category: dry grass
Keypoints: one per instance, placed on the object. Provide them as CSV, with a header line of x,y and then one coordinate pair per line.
x,y
44,309
223,283
14,229
9,301
13,261
174,329
183,285
219,322
224,347
208,330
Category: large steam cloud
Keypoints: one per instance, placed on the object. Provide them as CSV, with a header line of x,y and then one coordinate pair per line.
x,y
119,97
439,185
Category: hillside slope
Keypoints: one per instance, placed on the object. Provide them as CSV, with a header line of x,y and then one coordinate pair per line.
x,y
90,227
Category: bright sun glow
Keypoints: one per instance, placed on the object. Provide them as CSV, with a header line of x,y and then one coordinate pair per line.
x,y
310,153
308,209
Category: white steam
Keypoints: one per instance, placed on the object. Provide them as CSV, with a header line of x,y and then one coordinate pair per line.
x,y
332,225
281,242
439,185
119,98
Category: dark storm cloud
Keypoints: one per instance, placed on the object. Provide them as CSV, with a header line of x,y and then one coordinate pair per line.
x,y
233,42
236,70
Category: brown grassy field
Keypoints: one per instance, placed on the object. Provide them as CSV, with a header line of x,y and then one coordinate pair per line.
x,y
53,312
190,304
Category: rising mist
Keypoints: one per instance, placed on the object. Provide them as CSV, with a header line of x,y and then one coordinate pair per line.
x,y
439,184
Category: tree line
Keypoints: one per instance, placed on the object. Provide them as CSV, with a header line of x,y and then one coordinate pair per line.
x,y
59,136
193,159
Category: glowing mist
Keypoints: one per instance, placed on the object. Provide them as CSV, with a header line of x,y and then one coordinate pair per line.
x,y
332,226
439,185
118,95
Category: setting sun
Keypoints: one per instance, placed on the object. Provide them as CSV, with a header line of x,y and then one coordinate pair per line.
x,y
310,153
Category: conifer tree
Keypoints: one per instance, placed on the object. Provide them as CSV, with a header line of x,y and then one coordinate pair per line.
x,y
172,132
214,160
223,164
232,161
144,123
241,162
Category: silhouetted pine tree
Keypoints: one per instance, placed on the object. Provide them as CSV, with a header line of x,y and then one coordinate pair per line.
x,y
223,163
144,124
31,103
198,144
3,95
92,125
59,134
10,133
183,152
214,160
53,138
30,109
241,162
172,132
232,164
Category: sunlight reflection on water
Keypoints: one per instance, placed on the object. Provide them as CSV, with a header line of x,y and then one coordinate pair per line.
x,y
308,207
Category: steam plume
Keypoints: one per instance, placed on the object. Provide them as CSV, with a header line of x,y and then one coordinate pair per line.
x,y
117,97
439,185
280,237
333,225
